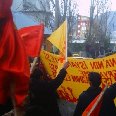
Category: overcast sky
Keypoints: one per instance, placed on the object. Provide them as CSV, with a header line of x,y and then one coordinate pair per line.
x,y
84,5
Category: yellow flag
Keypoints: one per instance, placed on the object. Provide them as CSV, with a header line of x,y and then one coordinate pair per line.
x,y
58,38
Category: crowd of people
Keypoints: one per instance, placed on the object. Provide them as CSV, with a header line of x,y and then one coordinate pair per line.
x,y
42,96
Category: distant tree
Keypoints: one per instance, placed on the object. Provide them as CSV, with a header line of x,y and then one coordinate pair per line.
x,y
99,35
65,9
53,12
39,10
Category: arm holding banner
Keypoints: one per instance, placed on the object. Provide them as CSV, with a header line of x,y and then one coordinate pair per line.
x,y
55,83
33,65
43,92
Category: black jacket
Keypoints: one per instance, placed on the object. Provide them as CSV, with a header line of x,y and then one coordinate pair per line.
x,y
8,106
85,99
108,107
43,94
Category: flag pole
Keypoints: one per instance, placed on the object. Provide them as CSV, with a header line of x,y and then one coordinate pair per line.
x,y
33,65
98,100
66,39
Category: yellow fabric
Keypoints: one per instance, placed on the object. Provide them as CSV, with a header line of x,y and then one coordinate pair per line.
x,y
58,38
76,80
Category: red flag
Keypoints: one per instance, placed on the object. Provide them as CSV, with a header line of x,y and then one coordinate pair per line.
x,y
93,108
32,37
95,112
14,66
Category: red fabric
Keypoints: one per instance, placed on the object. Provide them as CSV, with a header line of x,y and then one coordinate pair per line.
x,y
5,7
96,109
14,66
33,38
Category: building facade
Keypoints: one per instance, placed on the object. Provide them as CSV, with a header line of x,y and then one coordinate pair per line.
x,y
82,26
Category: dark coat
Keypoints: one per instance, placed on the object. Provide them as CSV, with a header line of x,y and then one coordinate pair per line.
x,y
85,99
108,107
43,94
8,106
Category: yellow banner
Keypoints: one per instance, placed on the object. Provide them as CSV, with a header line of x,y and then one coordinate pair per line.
x,y
76,80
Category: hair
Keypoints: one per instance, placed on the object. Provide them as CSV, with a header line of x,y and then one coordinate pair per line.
x,y
95,79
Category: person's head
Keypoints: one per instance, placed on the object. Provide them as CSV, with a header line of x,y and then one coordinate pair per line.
x,y
94,79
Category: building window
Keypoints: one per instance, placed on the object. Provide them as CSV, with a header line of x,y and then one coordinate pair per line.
x,y
83,28
79,18
83,23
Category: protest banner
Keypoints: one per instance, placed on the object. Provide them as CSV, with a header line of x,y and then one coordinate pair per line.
x,y
76,80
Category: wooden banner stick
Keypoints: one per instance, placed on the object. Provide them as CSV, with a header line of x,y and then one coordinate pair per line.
x,y
33,64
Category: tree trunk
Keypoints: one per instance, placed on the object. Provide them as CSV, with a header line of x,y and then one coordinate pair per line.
x,y
57,14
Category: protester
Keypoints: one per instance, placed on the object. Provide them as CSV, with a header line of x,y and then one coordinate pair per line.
x,y
108,107
87,96
43,95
